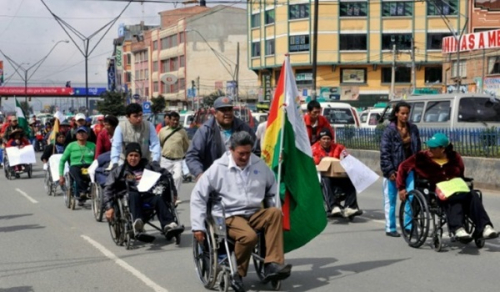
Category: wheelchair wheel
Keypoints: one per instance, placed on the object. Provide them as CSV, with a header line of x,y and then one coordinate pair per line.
x,y
224,279
276,285
260,251
68,194
97,203
469,228
48,183
205,258
29,169
414,218
437,240
116,231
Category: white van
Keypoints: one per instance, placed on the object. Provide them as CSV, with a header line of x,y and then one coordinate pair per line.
x,y
186,118
340,114
369,119
460,110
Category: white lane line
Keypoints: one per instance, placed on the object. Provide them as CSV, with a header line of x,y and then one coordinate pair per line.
x,y
27,196
125,266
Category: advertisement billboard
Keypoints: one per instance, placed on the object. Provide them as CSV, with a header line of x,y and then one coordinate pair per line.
x,y
111,75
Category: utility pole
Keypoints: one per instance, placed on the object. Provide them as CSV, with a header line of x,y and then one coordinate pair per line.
x,y
199,90
315,49
413,71
393,73
237,73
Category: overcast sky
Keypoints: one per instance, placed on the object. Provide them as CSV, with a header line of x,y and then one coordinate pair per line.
x,y
28,32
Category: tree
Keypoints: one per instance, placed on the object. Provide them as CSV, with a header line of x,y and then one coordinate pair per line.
x,y
27,109
158,104
210,99
113,103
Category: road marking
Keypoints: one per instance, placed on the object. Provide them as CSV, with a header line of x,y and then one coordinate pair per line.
x,y
124,265
27,196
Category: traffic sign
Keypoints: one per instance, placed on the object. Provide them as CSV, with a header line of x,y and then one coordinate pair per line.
x,y
146,107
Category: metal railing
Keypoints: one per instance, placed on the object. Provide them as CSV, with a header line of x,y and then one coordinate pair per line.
x,y
482,142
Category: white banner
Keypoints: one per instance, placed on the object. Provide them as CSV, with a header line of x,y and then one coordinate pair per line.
x,y
148,180
54,166
360,175
17,156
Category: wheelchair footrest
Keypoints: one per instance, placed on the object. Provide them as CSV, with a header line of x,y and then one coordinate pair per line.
x,y
145,237
174,232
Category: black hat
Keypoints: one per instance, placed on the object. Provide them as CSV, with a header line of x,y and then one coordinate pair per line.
x,y
133,147
325,132
16,131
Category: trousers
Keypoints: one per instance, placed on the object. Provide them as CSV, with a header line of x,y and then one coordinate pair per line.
x,y
138,203
468,204
340,189
243,231
390,192
76,173
175,168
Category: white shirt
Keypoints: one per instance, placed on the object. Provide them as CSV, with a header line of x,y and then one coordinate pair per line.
x,y
242,173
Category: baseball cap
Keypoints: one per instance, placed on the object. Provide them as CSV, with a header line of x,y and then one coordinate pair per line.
x,y
438,140
82,129
79,116
222,102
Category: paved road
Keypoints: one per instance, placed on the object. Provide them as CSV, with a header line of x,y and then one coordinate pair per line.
x,y
46,247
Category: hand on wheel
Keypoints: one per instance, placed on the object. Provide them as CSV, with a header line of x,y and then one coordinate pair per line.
x,y
402,194
110,213
199,235
61,180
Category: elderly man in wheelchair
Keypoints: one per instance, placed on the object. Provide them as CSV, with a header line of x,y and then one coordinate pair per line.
x,y
124,180
463,211
241,182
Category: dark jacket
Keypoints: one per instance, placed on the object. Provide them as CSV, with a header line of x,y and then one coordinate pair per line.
x,y
49,150
392,153
116,183
426,168
207,145
71,136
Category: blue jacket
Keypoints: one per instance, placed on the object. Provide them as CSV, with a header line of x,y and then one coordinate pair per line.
x,y
207,145
392,153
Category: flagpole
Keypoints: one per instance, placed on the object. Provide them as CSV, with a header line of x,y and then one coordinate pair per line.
x,y
282,136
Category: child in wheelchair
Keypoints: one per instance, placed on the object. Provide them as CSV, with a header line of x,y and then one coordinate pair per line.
x,y
440,163
242,181
17,139
337,189
124,180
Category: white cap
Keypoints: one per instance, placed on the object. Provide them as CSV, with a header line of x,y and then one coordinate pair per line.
x,y
79,116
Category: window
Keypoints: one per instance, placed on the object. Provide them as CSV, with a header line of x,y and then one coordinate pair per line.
x,y
256,49
182,84
269,17
353,9
155,66
128,59
146,91
363,118
174,64
403,75
433,74
164,43
146,56
155,45
397,8
173,40
255,20
128,77
437,112
402,41
338,115
442,7
494,65
463,69
479,109
303,77
270,47
182,37
353,42
136,75
146,74
434,40
165,66
298,43
182,61
298,11
416,112
155,87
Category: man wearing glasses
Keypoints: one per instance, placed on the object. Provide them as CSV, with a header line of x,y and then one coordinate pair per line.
x,y
137,130
211,140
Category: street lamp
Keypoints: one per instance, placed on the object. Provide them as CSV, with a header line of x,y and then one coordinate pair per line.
x,y
28,76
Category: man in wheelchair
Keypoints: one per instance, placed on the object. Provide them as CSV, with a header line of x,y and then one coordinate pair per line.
x,y
125,178
440,163
243,181
17,139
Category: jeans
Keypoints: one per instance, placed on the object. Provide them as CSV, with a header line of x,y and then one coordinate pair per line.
x,y
468,204
139,203
390,192
80,179
340,189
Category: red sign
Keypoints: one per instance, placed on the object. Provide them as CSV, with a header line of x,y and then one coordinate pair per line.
x,y
36,91
472,41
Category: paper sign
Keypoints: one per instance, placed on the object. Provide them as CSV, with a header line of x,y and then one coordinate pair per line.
x,y
360,175
92,168
148,180
447,188
17,156
54,166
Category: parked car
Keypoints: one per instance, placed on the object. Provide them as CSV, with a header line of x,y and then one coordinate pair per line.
x,y
370,118
340,114
241,112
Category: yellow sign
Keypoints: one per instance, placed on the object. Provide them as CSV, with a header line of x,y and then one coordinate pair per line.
x,y
446,189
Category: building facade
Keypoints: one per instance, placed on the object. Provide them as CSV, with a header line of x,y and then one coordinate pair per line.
x,y
355,45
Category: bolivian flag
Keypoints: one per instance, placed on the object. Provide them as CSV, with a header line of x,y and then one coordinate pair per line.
x,y
286,136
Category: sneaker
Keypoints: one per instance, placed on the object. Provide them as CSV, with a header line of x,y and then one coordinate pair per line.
x,y
336,211
348,212
177,202
81,203
461,233
83,196
392,234
237,284
138,226
489,232
169,227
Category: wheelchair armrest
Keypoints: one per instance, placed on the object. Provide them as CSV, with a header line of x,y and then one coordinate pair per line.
x,y
468,179
422,181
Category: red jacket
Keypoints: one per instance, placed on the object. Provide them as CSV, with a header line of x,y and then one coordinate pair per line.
x,y
103,143
98,128
319,152
426,168
12,142
322,123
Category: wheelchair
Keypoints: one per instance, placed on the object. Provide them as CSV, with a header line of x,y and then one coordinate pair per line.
x,y
337,194
15,171
121,227
214,259
421,208
71,192
50,184
96,195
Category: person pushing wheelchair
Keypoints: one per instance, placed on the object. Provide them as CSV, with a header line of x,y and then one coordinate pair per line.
x,y
130,173
243,181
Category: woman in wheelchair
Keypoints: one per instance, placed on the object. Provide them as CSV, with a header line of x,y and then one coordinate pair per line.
x,y
17,139
80,155
339,188
440,163
125,178
242,181
54,148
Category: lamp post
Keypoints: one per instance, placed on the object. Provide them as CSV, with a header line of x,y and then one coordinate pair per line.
x,y
26,76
